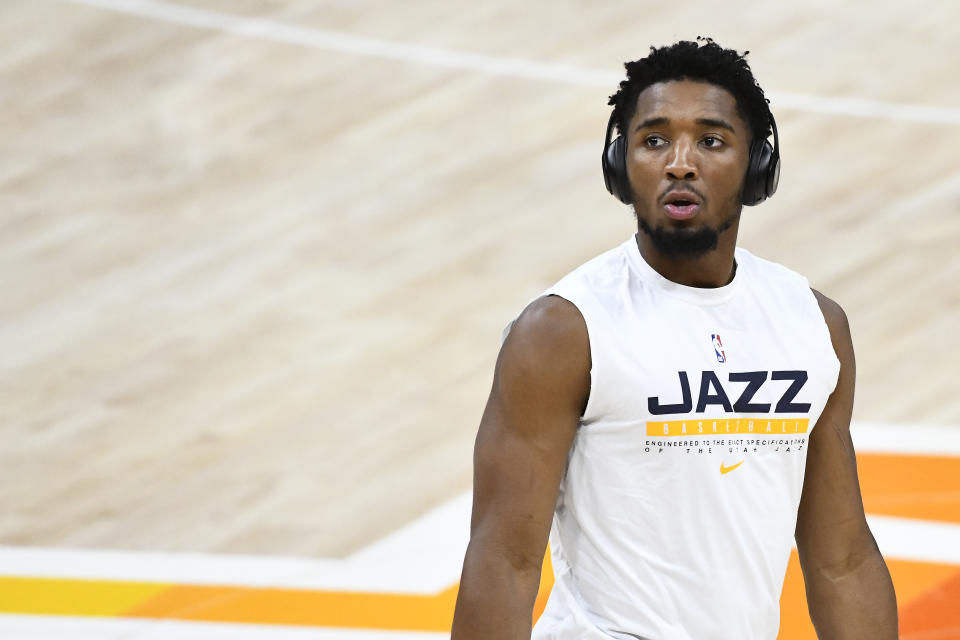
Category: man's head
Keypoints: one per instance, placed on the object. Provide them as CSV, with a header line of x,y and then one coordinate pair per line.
x,y
688,114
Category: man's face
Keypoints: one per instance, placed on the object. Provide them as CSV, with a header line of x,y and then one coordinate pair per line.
x,y
687,154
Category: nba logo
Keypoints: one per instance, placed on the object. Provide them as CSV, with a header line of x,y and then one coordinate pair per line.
x,y
718,347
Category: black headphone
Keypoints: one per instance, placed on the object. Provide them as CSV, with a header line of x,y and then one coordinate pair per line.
x,y
763,170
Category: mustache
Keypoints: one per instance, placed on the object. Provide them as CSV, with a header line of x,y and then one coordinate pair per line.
x,y
680,186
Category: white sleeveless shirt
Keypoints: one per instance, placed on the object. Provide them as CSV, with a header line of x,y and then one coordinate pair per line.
x,y
677,510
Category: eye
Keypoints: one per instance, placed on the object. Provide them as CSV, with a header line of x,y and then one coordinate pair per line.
x,y
654,142
712,142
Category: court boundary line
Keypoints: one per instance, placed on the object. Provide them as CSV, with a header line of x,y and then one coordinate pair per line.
x,y
504,66
88,628
425,556
900,538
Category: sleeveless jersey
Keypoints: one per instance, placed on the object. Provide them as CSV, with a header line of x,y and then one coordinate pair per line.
x,y
677,510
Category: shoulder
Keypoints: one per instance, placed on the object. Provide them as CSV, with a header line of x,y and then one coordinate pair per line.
x,y
608,269
546,355
550,329
833,315
839,326
790,287
778,283
769,270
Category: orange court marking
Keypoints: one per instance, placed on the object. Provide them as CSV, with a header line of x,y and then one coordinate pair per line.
x,y
910,486
302,607
926,592
935,614
910,579
906,486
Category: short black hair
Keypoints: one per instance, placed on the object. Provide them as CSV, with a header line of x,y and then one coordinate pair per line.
x,y
704,61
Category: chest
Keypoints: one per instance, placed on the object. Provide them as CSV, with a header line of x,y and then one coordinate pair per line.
x,y
670,361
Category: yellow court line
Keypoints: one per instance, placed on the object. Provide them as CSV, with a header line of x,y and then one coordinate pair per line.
x,y
251,605
68,597
242,605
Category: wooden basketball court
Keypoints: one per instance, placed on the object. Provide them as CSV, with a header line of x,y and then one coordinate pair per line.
x,y
256,257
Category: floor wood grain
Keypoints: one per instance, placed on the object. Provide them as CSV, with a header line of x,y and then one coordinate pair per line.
x,y
253,289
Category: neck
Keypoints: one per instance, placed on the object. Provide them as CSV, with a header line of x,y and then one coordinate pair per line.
x,y
708,271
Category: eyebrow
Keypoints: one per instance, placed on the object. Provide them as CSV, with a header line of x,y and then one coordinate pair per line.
x,y
652,122
707,122
719,124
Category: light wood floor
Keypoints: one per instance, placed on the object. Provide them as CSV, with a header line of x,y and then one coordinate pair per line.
x,y
252,290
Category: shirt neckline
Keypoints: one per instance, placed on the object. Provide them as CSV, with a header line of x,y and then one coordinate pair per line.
x,y
694,295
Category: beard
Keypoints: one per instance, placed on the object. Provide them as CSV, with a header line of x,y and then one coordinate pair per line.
x,y
683,242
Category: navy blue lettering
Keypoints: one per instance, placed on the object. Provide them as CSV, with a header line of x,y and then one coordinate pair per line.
x,y
786,404
712,393
709,379
754,380
655,408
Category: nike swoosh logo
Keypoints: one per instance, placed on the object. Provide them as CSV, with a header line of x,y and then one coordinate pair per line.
x,y
724,469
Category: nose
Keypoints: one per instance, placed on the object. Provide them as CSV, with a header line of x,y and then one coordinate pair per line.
x,y
680,162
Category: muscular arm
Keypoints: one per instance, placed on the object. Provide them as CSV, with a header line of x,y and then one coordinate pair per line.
x,y
849,591
540,386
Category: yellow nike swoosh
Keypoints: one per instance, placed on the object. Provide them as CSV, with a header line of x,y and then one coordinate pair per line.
x,y
724,469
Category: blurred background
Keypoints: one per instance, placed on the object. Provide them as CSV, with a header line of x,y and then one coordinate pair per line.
x,y
255,258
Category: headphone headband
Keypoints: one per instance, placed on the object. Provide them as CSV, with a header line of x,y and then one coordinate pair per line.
x,y
610,124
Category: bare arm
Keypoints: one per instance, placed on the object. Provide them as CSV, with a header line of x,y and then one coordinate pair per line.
x,y
849,591
540,386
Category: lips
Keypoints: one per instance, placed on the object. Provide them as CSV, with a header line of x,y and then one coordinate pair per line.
x,y
681,205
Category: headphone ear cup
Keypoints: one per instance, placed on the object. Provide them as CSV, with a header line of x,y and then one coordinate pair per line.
x,y
773,173
615,170
762,174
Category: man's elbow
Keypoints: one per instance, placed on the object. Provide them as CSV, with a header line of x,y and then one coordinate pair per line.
x,y
518,559
844,560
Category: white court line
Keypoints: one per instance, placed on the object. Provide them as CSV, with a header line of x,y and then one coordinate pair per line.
x,y
25,627
931,198
429,546
494,65
425,556
400,575
917,540
906,438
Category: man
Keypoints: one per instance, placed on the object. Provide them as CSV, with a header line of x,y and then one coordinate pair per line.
x,y
676,411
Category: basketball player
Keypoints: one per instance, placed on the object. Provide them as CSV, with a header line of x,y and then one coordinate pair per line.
x,y
676,411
